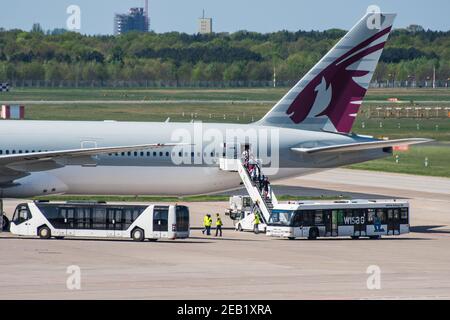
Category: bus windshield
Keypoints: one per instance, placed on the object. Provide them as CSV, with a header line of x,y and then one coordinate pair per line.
x,y
281,217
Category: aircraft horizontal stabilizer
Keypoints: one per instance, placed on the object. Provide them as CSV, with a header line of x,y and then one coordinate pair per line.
x,y
360,146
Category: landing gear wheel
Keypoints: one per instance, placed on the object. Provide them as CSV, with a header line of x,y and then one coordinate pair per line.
x,y
138,235
44,233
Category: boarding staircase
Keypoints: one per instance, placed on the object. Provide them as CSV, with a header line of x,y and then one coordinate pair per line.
x,y
265,204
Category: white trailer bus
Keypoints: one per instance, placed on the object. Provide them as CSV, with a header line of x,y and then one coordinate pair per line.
x,y
97,219
356,218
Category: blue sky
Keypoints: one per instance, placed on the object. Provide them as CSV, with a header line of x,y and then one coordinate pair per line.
x,y
228,15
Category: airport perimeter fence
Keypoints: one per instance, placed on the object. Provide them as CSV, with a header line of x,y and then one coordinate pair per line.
x,y
161,84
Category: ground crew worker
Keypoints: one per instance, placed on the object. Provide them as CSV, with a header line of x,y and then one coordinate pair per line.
x,y
219,225
256,223
208,224
205,224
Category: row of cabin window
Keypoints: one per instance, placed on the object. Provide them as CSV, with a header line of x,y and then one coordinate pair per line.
x,y
20,151
161,154
142,154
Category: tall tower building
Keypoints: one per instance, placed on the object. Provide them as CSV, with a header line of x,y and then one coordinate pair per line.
x,y
204,25
135,20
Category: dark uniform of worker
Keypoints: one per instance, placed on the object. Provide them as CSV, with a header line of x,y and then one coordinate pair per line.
x,y
219,225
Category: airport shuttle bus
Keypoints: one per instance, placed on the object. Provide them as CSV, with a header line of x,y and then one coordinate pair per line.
x,y
356,218
138,222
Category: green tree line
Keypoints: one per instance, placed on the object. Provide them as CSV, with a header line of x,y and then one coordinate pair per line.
x,y
238,56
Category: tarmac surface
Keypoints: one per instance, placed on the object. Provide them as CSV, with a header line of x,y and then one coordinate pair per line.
x,y
247,266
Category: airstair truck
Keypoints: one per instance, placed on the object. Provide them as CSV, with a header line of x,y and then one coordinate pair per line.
x,y
241,211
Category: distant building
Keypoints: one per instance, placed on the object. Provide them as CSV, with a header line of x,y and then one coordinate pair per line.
x,y
135,20
205,25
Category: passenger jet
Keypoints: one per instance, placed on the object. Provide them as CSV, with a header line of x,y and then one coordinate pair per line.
x,y
308,130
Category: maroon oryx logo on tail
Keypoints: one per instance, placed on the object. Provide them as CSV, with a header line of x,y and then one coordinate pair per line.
x,y
346,94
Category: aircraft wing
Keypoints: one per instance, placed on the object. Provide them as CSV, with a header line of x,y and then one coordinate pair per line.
x,y
360,146
15,166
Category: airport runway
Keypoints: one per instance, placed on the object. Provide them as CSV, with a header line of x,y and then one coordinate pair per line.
x,y
247,266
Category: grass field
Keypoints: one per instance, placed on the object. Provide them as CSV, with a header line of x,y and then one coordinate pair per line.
x,y
413,162
255,94
243,111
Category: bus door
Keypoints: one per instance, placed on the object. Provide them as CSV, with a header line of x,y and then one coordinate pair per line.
x,y
110,222
331,223
334,223
114,222
69,220
393,221
160,221
328,222
360,226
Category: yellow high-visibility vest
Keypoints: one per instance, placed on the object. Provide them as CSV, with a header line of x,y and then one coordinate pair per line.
x,y
219,222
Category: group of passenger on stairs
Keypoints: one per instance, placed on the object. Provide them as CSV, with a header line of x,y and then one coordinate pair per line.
x,y
260,180
255,173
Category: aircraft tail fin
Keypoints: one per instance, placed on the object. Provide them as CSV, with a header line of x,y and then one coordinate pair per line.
x,y
329,96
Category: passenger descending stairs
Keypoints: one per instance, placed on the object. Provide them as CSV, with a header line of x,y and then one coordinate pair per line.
x,y
265,205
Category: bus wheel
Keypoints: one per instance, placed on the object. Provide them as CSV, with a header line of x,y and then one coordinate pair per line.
x,y
240,228
44,232
137,234
313,234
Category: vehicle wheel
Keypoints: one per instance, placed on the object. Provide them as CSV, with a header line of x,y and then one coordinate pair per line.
x,y
137,234
5,224
44,232
313,234
240,228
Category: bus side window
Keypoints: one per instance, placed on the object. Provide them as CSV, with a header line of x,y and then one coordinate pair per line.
x,y
381,214
297,221
99,221
308,218
128,217
370,215
318,218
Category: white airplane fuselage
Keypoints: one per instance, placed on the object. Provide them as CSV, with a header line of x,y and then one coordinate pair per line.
x,y
158,171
